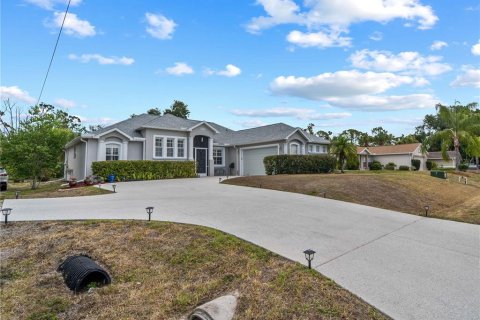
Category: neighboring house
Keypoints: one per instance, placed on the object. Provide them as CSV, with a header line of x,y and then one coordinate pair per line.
x,y
217,149
401,155
436,156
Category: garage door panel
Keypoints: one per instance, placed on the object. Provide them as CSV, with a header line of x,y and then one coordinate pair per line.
x,y
253,160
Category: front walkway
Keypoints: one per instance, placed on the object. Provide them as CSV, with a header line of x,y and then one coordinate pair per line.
x,y
407,266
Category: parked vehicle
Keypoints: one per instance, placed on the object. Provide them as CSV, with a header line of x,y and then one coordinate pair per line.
x,y
3,179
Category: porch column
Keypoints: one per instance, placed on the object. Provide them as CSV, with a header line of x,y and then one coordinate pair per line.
x,y
190,148
211,169
124,150
303,149
101,150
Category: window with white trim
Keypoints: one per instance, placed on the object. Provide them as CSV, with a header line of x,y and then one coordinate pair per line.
x,y
112,152
317,149
181,148
218,159
310,148
170,147
158,147
324,149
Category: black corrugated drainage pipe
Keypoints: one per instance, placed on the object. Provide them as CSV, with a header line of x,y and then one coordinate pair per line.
x,y
222,308
81,271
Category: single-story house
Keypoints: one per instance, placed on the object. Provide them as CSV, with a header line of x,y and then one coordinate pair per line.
x,y
216,149
401,155
436,156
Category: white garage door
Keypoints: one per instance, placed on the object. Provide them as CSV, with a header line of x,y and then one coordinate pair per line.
x,y
253,160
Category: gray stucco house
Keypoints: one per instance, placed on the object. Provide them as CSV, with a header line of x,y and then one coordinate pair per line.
x,y
217,149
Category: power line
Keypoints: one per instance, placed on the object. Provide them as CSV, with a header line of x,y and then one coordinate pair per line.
x,y
53,53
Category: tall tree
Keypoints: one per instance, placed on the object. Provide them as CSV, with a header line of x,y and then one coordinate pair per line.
x,y
178,109
327,135
381,137
364,140
462,125
343,149
310,128
35,149
405,139
353,135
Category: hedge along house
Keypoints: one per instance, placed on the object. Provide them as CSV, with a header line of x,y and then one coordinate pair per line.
x,y
401,155
216,149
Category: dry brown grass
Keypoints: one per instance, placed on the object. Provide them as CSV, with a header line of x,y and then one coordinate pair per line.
x,y
49,190
159,271
401,191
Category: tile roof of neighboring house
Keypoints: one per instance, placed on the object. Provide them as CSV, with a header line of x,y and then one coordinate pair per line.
x,y
273,132
395,149
437,155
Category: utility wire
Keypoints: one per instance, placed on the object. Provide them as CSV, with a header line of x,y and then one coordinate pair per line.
x,y
53,53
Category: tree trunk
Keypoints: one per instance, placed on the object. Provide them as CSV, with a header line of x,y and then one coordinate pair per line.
x,y
34,183
456,144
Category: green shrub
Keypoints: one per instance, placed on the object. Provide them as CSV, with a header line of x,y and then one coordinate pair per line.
x,y
416,164
463,166
429,164
297,164
144,169
434,165
352,163
390,166
375,165
404,168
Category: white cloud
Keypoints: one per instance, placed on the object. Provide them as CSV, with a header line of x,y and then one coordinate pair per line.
x,y
409,62
73,26
470,78
376,36
15,93
85,58
338,84
251,123
476,49
298,113
438,45
318,39
65,103
50,4
94,121
229,71
385,103
159,26
341,13
179,69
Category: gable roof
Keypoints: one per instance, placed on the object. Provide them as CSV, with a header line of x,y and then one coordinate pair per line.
x,y
128,126
394,149
224,136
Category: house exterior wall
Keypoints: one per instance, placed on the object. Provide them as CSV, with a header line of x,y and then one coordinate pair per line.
x,y
135,150
398,159
75,161
444,163
149,141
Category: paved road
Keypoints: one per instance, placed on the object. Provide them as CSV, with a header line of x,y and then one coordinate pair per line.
x,y
407,266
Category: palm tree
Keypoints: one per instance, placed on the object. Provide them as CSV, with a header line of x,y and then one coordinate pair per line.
x,y
343,149
461,125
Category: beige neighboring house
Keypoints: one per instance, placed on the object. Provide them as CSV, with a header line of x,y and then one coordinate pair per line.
x,y
436,156
401,155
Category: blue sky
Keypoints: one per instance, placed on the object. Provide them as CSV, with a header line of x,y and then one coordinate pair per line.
x,y
337,64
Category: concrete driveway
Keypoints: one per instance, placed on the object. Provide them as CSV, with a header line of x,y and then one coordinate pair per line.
x,y
407,266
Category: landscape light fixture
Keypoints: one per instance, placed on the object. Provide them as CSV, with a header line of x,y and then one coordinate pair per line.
x,y
427,207
324,194
17,194
6,212
114,186
309,254
149,211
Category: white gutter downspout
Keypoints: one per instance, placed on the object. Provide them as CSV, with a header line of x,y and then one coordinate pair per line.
x,y
86,157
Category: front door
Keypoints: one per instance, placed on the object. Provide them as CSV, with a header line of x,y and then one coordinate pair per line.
x,y
201,159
